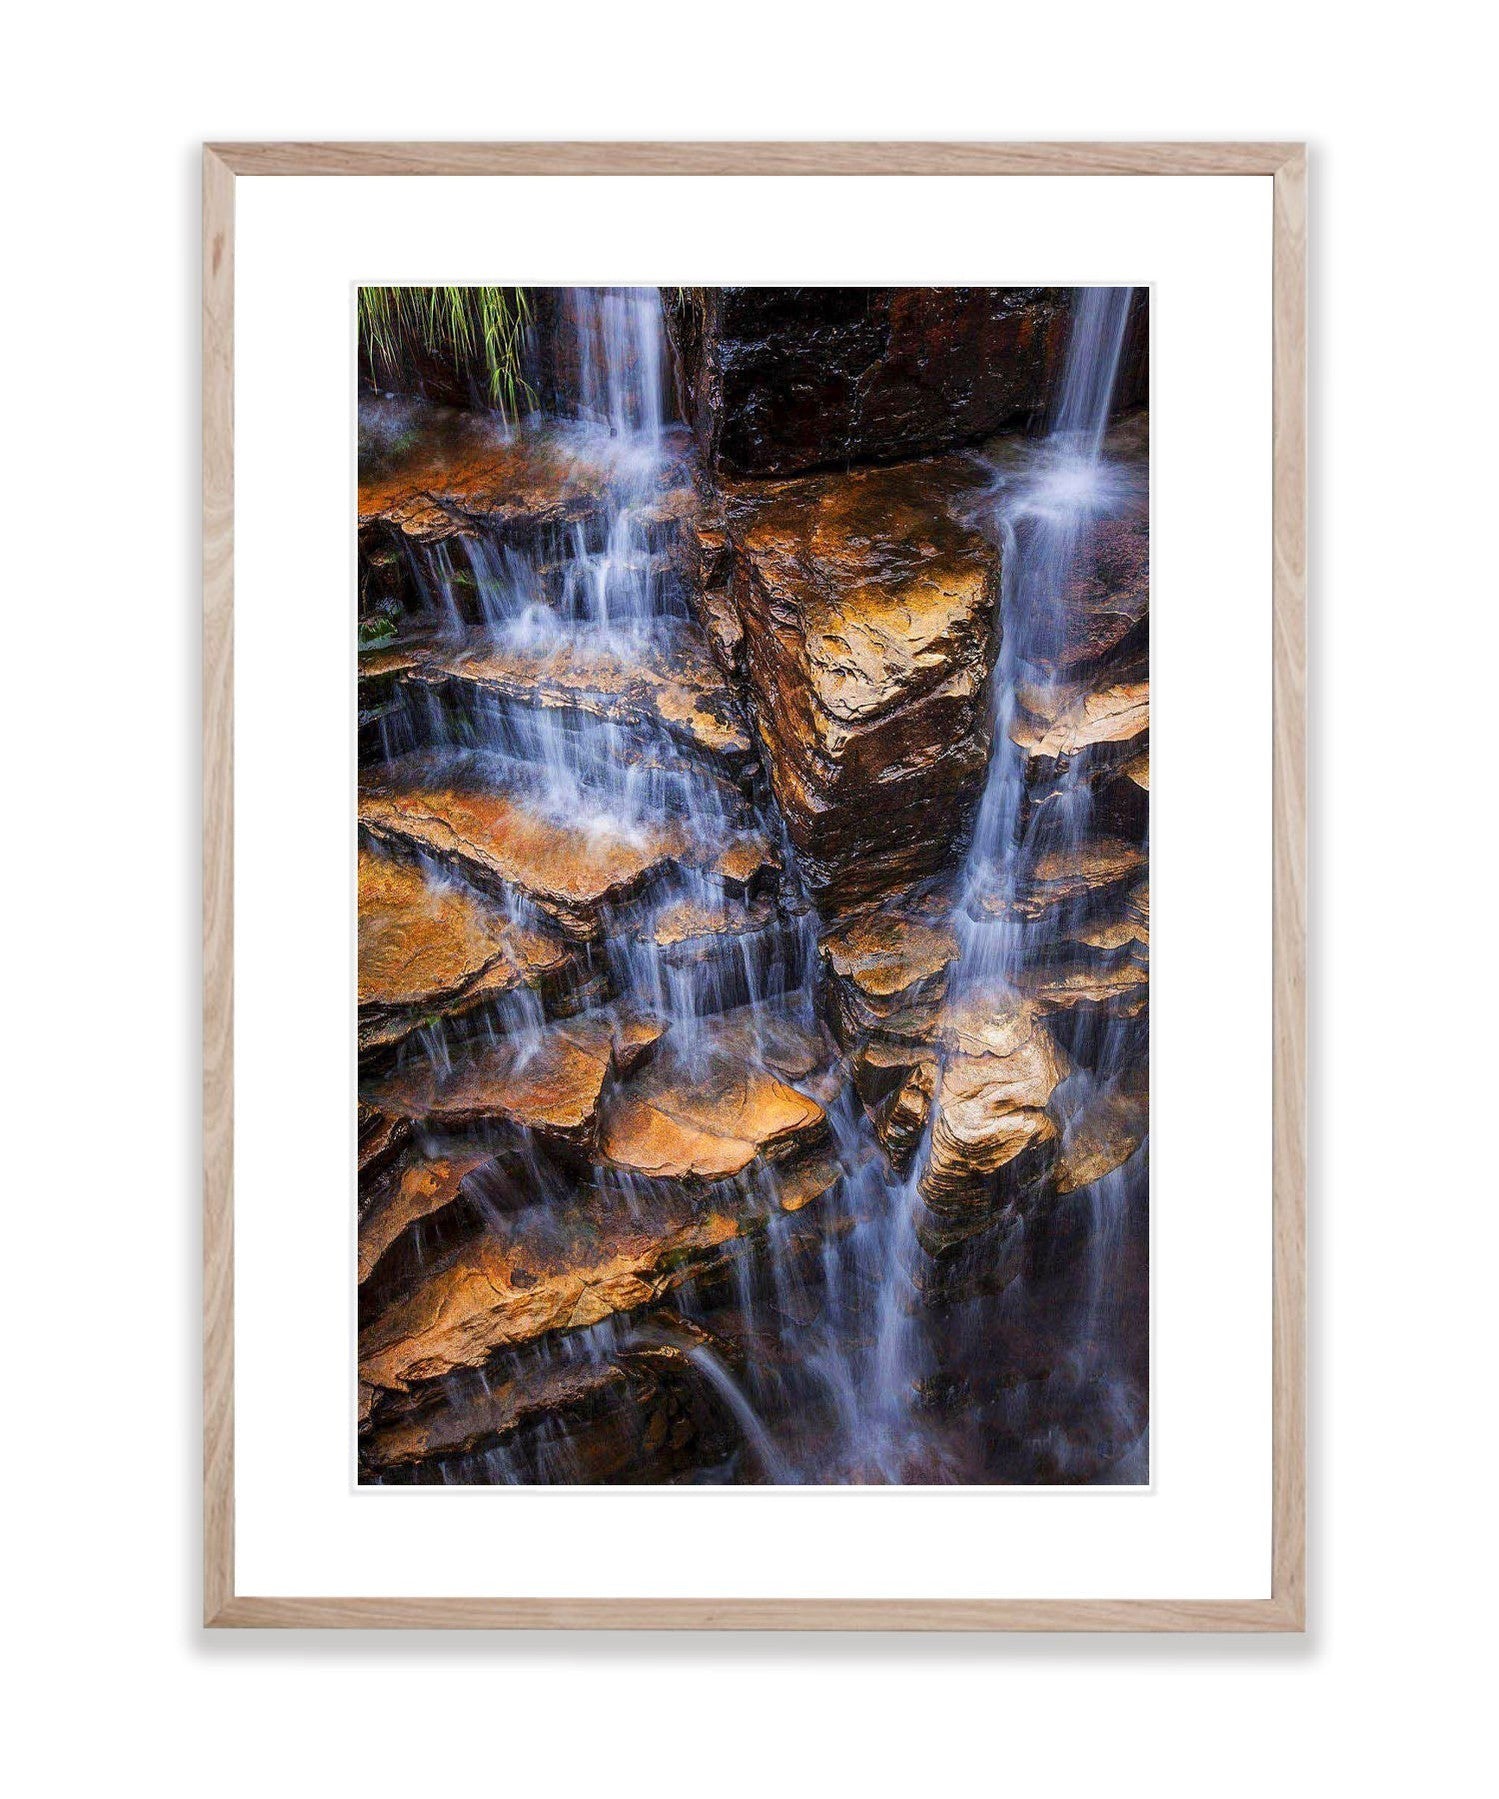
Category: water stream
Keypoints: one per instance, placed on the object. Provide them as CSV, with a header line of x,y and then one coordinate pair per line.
x,y
840,1361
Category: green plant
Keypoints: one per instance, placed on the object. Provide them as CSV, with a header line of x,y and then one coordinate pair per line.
x,y
480,329
374,631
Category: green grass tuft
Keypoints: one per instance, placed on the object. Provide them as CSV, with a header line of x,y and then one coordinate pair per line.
x,y
479,329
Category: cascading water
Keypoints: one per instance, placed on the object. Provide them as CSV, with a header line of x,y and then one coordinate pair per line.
x,y
1042,511
838,1362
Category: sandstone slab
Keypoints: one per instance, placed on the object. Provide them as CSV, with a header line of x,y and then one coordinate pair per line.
x,y
507,843
429,947
870,632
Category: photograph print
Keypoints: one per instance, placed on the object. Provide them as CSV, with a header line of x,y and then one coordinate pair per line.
x,y
753,886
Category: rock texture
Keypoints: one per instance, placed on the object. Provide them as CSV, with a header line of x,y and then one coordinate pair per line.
x,y
1000,1069
663,681
783,379
435,949
868,613
510,845
547,1082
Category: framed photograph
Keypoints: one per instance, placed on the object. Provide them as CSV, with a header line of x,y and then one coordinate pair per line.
x,y
754,886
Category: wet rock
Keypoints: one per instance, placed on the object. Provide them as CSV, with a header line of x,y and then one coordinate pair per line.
x,y
426,1185
560,1254
381,1137
508,844
897,1086
869,618
664,681
1102,618
1000,1068
782,379
445,472
547,1083
1053,725
1127,929
473,1422
1086,875
708,954
786,1038
884,962
432,948
705,1114
575,1268
640,1415
1103,1135
1121,990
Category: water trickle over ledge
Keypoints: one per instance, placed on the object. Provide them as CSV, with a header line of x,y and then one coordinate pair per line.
x,y
753,912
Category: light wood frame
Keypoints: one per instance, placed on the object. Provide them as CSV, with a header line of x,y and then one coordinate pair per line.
x,y
1285,1609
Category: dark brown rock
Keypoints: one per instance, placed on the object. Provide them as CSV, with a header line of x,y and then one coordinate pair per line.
x,y
782,379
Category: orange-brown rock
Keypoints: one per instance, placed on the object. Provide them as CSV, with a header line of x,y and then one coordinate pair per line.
x,y
1000,1068
704,1114
1105,605
475,1422
546,1274
1093,872
897,1085
664,680
870,630
1128,929
1103,1135
548,1263
784,1037
427,947
450,471
1055,724
642,1415
1120,990
569,869
426,1185
884,962
548,1082
381,1137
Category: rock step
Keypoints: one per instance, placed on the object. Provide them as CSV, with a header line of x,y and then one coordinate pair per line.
x,y
661,682
1085,876
682,1149
1110,724
431,473
701,953
640,1414
885,962
546,1082
430,948
571,869
1103,1134
701,1100
1103,613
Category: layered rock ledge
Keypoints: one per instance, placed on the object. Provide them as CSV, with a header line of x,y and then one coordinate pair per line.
x,y
868,614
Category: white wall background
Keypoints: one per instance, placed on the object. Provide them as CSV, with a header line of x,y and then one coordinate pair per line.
x,y
105,107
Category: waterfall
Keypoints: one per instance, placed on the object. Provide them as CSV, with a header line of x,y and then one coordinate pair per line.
x,y
843,1370
1041,510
